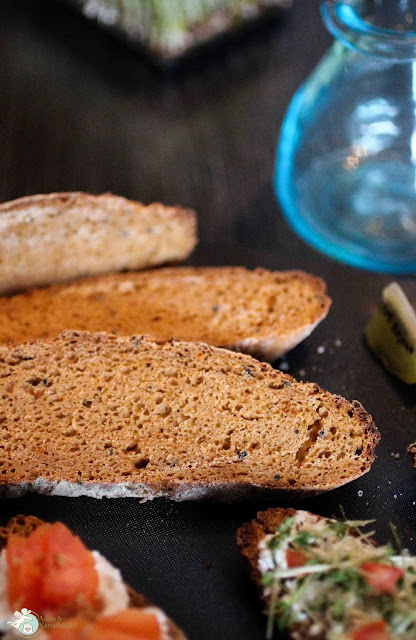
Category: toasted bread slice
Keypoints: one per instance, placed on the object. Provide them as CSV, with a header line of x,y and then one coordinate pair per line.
x,y
249,537
258,312
100,415
61,236
23,526
325,579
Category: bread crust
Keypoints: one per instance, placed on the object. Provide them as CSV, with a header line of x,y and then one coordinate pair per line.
x,y
250,534
178,492
61,236
25,525
412,450
67,197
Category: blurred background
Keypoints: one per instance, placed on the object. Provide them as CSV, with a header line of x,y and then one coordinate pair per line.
x,y
82,111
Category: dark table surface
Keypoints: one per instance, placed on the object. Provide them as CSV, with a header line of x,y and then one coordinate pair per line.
x,y
79,111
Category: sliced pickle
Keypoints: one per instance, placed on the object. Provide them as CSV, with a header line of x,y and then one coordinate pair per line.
x,y
391,333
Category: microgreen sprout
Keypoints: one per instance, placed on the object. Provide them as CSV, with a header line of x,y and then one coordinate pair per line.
x,y
332,591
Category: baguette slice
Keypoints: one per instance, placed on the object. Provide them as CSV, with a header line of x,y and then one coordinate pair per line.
x,y
61,236
24,526
258,312
99,415
370,592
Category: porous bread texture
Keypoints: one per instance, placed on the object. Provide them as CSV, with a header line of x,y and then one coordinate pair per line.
x,y
23,526
96,414
62,236
260,312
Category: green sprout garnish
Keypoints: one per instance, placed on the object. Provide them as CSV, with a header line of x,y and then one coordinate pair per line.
x,y
331,591
396,537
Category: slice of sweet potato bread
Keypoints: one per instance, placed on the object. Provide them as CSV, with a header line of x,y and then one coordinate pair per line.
x,y
99,415
260,312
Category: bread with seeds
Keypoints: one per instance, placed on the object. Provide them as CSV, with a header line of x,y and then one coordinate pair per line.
x,y
100,415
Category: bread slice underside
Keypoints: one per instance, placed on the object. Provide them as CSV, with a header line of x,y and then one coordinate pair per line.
x,y
23,526
100,415
61,236
260,312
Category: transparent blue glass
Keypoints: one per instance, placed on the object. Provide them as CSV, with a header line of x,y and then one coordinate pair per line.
x,y
346,161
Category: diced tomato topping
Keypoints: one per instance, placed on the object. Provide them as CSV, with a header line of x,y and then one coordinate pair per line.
x,y
131,624
295,558
382,578
49,570
372,631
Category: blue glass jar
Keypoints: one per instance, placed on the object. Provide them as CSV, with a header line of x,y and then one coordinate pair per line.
x,y
346,162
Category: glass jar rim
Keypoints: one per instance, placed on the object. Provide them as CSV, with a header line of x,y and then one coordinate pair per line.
x,y
347,25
